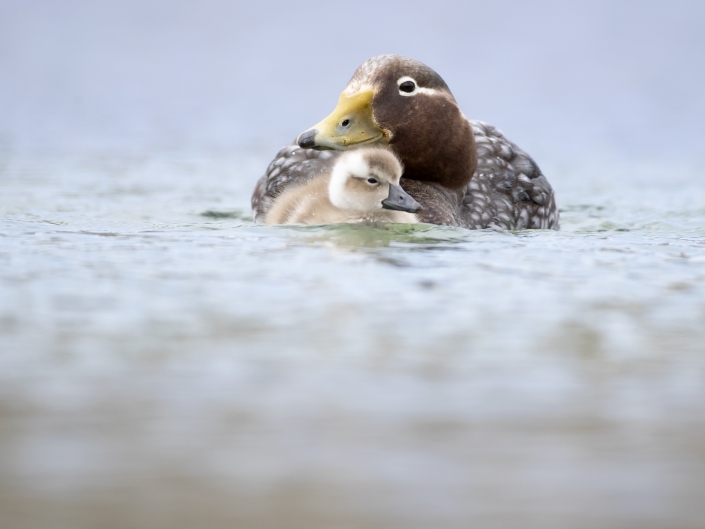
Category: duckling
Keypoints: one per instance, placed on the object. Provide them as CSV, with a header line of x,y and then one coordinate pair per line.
x,y
363,185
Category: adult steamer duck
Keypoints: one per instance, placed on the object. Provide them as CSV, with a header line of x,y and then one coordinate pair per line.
x,y
463,173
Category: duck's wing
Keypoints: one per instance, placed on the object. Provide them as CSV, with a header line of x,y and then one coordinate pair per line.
x,y
508,190
291,166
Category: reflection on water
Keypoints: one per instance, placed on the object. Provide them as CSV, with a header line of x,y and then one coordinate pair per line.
x,y
166,363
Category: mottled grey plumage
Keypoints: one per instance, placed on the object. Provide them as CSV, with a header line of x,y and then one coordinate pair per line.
x,y
507,192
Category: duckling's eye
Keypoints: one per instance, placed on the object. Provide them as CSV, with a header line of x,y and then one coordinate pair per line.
x,y
345,122
372,180
407,86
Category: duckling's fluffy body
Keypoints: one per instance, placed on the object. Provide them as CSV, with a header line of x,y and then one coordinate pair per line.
x,y
353,191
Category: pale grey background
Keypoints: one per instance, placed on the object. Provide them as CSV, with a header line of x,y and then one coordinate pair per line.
x,y
564,79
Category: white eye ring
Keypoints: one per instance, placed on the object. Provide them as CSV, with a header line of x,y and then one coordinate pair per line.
x,y
404,79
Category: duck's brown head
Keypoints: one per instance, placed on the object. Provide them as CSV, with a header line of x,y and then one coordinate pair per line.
x,y
404,104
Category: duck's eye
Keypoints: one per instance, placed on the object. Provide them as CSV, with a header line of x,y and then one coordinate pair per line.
x,y
345,122
407,86
372,180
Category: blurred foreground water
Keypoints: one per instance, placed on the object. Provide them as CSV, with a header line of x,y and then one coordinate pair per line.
x,y
166,363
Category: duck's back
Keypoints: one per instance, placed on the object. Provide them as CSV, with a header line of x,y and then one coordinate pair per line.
x,y
508,190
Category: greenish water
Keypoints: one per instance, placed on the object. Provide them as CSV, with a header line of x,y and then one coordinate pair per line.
x,y
166,363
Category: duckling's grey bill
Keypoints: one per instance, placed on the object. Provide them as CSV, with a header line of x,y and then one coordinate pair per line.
x,y
400,200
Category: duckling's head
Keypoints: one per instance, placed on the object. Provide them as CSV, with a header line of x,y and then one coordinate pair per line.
x,y
366,180
404,104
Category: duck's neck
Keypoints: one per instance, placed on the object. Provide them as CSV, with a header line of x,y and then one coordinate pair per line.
x,y
441,150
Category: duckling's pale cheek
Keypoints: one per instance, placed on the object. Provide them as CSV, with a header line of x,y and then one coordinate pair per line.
x,y
368,200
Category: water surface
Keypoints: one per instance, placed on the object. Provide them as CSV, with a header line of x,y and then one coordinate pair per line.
x,y
166,363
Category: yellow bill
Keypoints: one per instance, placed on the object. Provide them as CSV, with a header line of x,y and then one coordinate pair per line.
x,y
351,123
